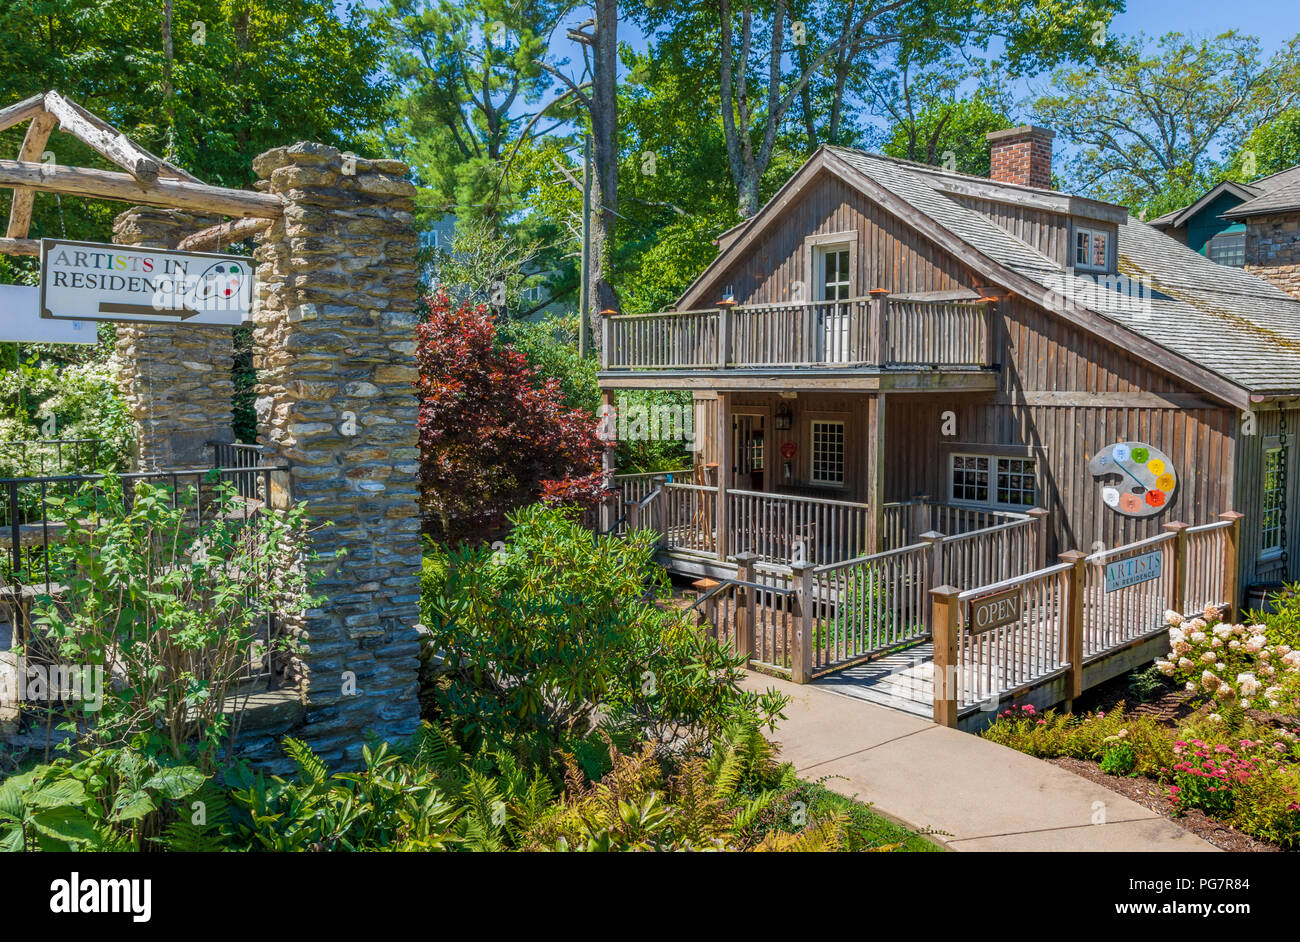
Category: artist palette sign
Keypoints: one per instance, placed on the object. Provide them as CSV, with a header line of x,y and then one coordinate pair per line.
x,y
94,281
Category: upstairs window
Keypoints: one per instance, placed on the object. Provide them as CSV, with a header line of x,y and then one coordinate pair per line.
x,y
836,281
1227,248
1091,249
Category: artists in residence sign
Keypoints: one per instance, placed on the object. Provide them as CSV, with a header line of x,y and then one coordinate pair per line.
x,y
1126,572
94,281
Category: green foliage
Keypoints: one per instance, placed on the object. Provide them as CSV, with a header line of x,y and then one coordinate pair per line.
x,y
1283,623
1270,148
1147,684
170,601
951,134
1050,735
538,638
1147,123
1243,771
107,800
551,347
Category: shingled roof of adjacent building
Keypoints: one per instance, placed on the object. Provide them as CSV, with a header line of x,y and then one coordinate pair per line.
x,y
1224,320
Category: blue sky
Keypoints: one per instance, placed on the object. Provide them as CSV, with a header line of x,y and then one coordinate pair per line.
x,y
1273,21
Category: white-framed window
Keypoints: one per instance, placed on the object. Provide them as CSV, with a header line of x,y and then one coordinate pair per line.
x,y
1227,248
826,455
992,480
834,279
1091,249
1274,527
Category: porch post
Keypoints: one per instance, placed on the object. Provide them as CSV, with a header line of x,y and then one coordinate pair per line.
x,y
875,471
920,518
943,601
1074,624
725,461
746,604
933,570
876,317
805,625
609,433
1231,562
1178,587
1038,541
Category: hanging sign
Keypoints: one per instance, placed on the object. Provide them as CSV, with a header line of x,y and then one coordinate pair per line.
x,y
1138,480
1141,568
95,281
21,321
994,611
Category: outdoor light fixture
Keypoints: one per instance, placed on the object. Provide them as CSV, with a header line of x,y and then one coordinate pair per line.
x,y
784,420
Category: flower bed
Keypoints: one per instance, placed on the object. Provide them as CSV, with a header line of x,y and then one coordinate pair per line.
x,y
1235,758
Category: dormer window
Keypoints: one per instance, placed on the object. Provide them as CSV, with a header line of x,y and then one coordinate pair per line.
x,y
1091,249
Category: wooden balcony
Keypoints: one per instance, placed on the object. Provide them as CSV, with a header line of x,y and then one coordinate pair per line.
x,y
872,335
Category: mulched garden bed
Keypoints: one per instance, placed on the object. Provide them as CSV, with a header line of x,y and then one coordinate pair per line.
x,y
1153,795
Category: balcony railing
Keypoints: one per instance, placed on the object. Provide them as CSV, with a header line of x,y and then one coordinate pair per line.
x,y
874,332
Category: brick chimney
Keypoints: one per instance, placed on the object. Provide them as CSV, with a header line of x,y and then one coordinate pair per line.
x,y
1021,155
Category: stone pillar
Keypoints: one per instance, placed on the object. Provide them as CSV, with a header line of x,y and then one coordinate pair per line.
x,y
175,378
335,330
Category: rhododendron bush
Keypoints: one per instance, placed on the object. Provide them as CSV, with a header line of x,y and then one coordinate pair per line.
x,y
494,434
1231,663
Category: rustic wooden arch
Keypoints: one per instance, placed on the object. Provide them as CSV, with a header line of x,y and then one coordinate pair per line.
x,y
334,321
149,181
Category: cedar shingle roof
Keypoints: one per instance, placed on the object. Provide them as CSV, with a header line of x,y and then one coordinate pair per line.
x,y
1224,319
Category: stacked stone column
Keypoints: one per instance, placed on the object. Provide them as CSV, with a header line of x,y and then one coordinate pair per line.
x,y
175,378
335,335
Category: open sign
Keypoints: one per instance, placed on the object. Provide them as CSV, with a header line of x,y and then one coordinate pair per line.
x,y
994,611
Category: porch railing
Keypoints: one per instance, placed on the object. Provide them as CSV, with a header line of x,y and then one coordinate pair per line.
x,y
874,332
1004,639
786,528
29,539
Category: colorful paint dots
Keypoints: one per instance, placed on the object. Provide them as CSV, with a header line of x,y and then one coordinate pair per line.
x,y
1138,480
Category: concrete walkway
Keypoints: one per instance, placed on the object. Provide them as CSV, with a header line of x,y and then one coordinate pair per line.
x,y
982,795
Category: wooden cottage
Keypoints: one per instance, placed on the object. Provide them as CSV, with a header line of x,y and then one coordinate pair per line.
x,y
883,329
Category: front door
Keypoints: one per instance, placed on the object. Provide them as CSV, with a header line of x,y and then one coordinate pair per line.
x,y
748,447
834,285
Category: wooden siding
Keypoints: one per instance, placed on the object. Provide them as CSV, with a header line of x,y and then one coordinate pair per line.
x,y
1061,439
888,254
1250,495
851,409
1045,230
1062,393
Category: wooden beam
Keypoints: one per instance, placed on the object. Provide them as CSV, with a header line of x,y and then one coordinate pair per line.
x,y
20,211
102,137
106,185
20,247
85,118
223,233
17,114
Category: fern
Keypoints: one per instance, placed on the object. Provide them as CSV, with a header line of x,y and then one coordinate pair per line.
x,y
311,768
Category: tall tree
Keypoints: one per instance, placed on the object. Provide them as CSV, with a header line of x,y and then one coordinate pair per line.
x,y
1149,124
769,66
471,78
209,83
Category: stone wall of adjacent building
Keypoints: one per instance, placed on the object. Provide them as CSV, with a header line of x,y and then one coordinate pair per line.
x,y
176,379
1273,250
335,340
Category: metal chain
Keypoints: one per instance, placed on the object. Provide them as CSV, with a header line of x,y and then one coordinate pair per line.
x,y
1284,464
